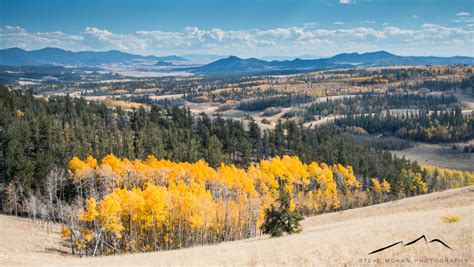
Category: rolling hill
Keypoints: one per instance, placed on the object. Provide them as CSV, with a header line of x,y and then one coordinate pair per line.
x,y
335,239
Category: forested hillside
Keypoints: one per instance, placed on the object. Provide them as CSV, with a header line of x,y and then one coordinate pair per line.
x,y
188,166
38,135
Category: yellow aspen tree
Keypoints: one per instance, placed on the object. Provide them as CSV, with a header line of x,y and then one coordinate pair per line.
x,y
91,212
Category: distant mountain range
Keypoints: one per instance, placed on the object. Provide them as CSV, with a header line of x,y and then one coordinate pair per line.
x,y
56,56
235,65
231,65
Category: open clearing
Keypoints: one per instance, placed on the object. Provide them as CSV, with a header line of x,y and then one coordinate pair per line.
x,y
438,155
336,239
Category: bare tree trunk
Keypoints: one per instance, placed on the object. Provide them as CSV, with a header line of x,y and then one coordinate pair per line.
x,y
97,243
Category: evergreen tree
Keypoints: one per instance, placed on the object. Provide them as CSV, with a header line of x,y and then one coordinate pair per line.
x,y
214,151
282,218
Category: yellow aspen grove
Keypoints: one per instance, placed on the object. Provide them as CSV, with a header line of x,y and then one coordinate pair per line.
x,y
327,187
350,184
110,213
438,178
156,204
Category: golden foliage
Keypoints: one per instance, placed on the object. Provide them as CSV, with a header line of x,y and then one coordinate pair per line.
x,y
91,212
174,204
386,186
376,185
65,232
447,177
20,114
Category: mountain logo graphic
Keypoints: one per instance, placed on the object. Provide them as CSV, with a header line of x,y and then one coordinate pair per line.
x,y
411,243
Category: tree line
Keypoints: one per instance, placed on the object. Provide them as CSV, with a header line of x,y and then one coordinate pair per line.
x,y
437,126
464,85
376,103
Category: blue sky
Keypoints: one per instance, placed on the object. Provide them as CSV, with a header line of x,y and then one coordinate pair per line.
x,y
244,28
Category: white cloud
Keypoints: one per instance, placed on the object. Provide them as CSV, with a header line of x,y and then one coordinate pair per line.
x,y
345,2
12,29
338,23
17,36
107,40
395,31
415,17
361,33
464,20
463,14
278,33
253,42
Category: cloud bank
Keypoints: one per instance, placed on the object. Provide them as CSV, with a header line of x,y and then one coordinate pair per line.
x,y
427,39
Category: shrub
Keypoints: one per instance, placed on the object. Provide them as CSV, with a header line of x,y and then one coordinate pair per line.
x,y
451,218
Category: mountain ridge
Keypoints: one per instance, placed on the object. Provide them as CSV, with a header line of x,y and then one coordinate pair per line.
x,y
55,56
233,64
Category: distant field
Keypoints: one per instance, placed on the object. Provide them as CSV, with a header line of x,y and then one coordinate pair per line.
x,y
337,239
438,155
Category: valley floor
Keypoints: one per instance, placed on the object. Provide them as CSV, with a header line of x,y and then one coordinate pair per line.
x,y
335,239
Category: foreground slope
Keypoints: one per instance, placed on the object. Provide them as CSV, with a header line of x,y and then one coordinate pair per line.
x,y
330,239
23,242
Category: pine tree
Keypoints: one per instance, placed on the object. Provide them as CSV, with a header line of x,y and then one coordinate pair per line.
x,y
281,219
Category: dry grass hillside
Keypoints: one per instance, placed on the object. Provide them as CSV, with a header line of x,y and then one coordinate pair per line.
x,y
336,239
